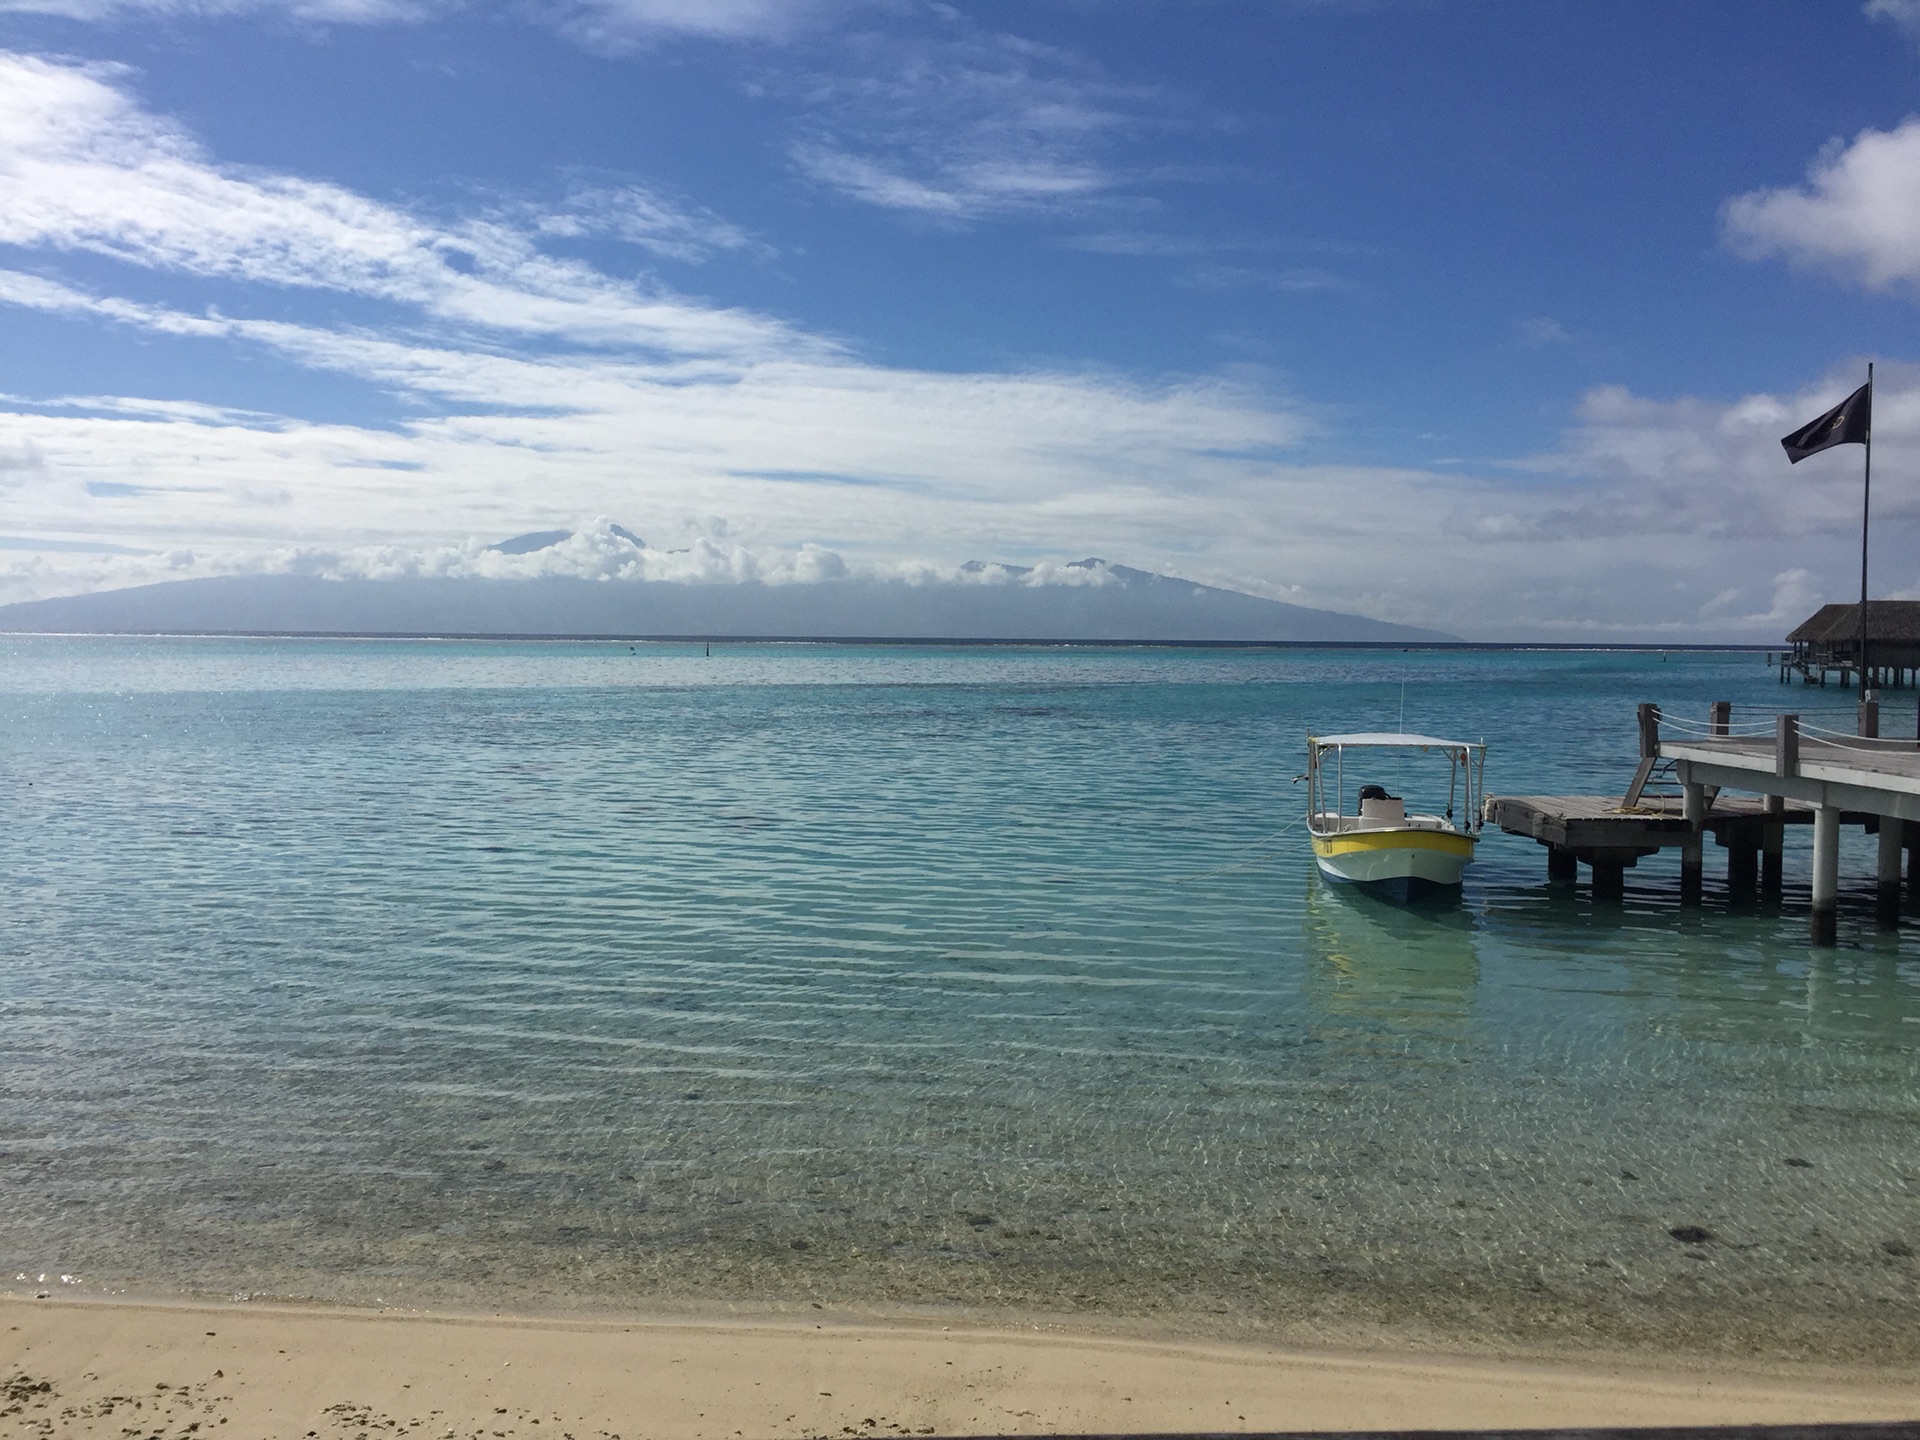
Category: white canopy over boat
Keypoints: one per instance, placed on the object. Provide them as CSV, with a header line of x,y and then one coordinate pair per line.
x,y
1395,739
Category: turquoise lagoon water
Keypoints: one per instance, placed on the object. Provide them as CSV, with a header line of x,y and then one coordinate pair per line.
x,y
581,976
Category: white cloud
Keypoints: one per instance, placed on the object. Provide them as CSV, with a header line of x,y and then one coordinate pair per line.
x,y
1858,213
1536,332
617,25
1294,280
602,24
82,167
541,390
964,126
1657,518
594,550
639,216
959,126
1694,507
1904,13
1155,243
872,182
322,12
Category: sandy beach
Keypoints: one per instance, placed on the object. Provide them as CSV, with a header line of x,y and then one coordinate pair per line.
x,y
113,1369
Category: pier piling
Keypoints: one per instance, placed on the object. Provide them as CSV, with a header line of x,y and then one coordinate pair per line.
x,y
1694,809
1562,863
1773,844
1892,851
1609,880
1826,874
1743,863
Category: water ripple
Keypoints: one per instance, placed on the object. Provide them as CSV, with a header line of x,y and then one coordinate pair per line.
x,y
574,974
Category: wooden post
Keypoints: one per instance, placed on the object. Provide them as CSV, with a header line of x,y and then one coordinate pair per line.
x,y
1562,864
1786,745
1867,720
1719,716
1649,717
1826,873
1887,896
1609,880
1743,856
1692,868
1694,804
1773,841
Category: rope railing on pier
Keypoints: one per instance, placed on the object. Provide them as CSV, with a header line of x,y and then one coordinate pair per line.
x,y
1710,728
1755,723
1843,740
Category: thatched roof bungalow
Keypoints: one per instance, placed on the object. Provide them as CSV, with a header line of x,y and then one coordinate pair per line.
x,y
1829,639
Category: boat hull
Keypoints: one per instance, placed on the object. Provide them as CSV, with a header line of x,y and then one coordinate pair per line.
x,y
1397,865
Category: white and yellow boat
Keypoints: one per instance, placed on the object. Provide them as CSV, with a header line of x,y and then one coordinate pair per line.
x,y
1380,846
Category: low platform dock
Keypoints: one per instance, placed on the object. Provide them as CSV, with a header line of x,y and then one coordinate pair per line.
x,y
1783,772
1600,832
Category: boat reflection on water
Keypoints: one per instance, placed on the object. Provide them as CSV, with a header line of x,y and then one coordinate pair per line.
x,y
1386,965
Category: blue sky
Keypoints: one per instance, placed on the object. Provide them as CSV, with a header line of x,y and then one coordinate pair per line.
x,y
1485,316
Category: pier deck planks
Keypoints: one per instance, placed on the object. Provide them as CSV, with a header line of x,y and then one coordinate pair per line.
x,y
1857,761
1596,823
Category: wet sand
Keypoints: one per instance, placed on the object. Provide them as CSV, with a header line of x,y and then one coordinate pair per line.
x,y
86,1368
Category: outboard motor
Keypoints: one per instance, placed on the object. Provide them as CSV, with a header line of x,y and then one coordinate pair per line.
x,y
1377,804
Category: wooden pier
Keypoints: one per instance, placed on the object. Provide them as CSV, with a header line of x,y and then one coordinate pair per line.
x,y
1597,831
1785,774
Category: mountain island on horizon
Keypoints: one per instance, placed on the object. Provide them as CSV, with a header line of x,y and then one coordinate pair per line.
x,y
1114,603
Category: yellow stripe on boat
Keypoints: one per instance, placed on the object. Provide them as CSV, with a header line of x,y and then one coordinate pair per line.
x,y
1360,842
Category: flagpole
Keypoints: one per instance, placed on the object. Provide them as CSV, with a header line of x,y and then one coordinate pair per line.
x,y
1866,505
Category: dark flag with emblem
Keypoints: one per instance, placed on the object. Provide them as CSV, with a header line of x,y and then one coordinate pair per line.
x,y
1848,423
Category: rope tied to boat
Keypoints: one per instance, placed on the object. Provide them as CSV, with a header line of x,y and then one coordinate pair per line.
x,y
1265,840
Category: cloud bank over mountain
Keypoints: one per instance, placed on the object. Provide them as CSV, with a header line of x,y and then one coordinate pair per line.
x,y
603,580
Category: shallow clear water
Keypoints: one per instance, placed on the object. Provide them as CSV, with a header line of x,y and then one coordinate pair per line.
x,y
592,976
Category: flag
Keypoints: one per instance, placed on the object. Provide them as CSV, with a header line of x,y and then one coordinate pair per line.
x,y
1846,424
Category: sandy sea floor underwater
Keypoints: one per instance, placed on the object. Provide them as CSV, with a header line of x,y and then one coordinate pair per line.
x,y
981,989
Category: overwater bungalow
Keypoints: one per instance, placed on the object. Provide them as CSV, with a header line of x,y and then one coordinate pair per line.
x,y
1828,642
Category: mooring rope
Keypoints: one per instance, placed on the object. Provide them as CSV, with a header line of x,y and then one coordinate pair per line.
x,y
1244,864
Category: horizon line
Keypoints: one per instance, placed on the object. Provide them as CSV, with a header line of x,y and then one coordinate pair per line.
x,y
1008,642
